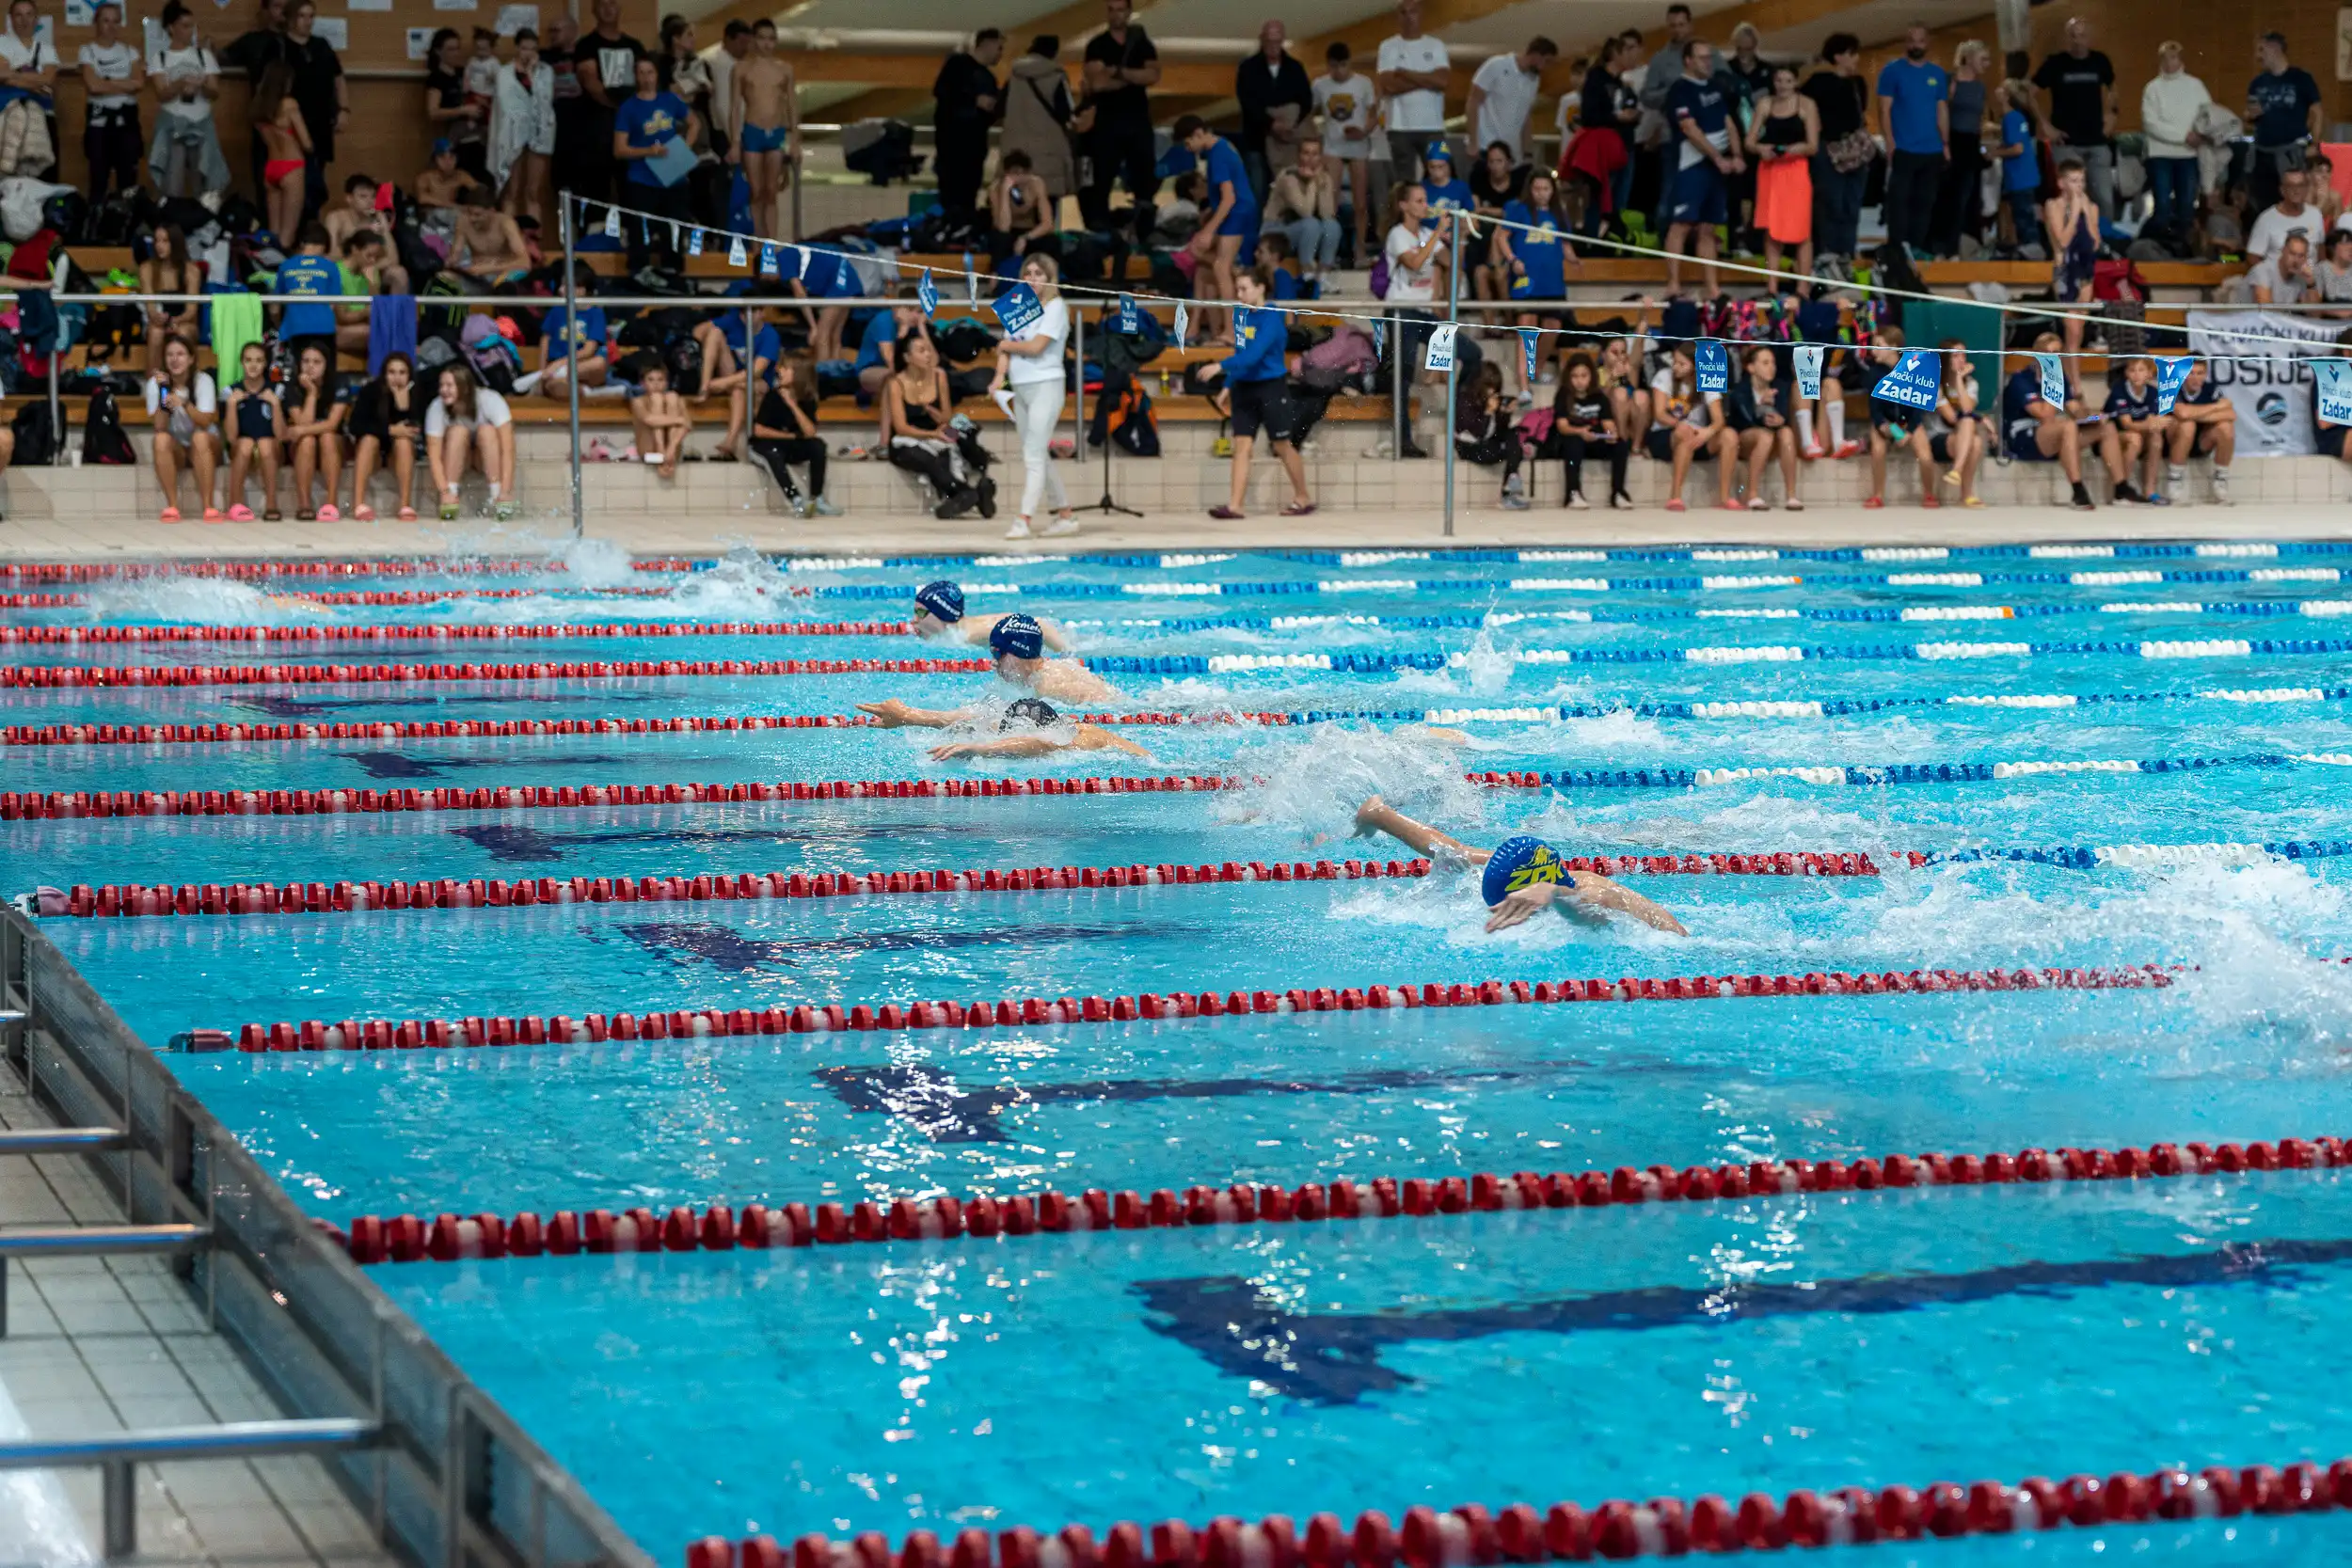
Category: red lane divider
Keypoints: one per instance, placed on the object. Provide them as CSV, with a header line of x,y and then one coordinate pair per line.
x,y
1663,1527
17,805
40,601
150,735
254,571
539,631
233,898
805,1019
410,1239
44,676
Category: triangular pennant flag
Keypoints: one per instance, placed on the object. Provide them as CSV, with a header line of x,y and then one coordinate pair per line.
x,y
1527,350
1714,365
678,236
927,294
2053,379
767,258
2335,390
1128,314
1379,334
1441,352
737,255
1912,383
2171,370
971,281
612,223
694,243
1017,309
1809,369
1184,324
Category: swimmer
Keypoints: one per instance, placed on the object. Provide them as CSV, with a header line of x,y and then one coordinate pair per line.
x,y
939,615
1523,874
1018,644
1034,714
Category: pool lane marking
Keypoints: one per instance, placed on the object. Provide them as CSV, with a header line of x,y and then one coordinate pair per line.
x,y
438,631
1662,1526
122,676
807,1019
721,1228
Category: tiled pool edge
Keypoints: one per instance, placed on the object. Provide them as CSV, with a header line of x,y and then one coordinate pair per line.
x,y
457,1482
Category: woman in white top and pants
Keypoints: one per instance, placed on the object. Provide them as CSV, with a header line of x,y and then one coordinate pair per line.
x,y
1030,368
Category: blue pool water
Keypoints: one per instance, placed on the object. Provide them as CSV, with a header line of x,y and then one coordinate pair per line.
x,y
1816,1341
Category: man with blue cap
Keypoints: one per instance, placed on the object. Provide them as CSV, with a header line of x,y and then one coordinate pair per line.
x,y
939,616
1522,873
1017,644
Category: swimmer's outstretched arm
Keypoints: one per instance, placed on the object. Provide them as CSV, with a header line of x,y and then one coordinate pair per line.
x,y
1094,738
1090,738
1376,815
1591,890
894,714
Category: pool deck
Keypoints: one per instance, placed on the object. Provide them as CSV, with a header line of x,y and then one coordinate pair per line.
x,y
101,1344
127,539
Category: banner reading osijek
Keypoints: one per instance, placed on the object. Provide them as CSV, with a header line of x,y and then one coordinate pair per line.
x,y
2261,361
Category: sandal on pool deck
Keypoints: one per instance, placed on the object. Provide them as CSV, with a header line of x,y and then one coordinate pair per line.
x,y
408,513
331,513
1226,515
363,514
449,512
237,513
212,514
302,515
1299,508
170,514
273,516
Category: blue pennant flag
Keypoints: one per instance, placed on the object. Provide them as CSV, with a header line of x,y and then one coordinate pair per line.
x,y
1379,335
1018,310
1128,314
1912,383
927,294
1809,369
1528,338
1440,353
694,243
2171,370
1183,324
767,258
2053,379
2335,390
1714,366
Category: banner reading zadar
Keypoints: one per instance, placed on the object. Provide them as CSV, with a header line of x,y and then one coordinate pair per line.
x,y
2261,361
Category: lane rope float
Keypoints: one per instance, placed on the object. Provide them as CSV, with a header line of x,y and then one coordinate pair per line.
x,y
1662,1526
722,1227
440,631
53,676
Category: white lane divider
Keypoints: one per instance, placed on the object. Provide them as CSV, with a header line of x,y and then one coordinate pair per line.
x,y
1786,708
1734,555
2160,607
1935,580
1382,558
1491,715
1367,585
2024,770
831,564
1223,663
1173,562
2294,574
1770,654
1756,614
2207,647
1972,650
1960,613
2324,608
2021,699
1574,585
2267,694
1545,557
2070,552
1750,582
2334,759
1906,552
1178,589
2166,857
2238,549
2112,579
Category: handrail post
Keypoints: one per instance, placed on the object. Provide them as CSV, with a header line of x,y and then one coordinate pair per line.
x,y
571,368
1397,393
1454,359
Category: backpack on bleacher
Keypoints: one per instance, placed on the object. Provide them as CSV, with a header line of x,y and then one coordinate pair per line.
x,y
36,436
103,440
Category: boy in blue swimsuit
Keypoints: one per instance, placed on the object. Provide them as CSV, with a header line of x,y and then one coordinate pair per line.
x,y
1522,875
767,113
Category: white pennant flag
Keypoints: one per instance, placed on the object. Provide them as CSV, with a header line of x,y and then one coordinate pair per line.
x,y
1809,369
1183,322
2053,379
1440,352
612,223
737,255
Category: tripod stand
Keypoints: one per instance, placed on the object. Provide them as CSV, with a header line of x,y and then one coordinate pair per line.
x,y
1108,506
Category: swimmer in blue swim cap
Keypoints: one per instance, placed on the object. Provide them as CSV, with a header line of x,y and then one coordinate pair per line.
x,y
939,616
1522,875
1033,729
1018,644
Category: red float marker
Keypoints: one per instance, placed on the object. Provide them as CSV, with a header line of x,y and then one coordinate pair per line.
x,y
722,1228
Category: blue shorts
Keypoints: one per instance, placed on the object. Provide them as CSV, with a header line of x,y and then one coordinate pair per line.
x,y
1241,223
2021,442
1698,196
763,139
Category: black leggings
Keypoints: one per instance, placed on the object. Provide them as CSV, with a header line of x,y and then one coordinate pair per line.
x,y
1504,448
114,154
934,463
1572,453
779,454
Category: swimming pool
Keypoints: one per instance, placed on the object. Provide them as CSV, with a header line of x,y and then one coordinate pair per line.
x,y
2018,762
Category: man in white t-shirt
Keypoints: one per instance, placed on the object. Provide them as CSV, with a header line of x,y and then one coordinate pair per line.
x,y
112,73
2294,214
1414,71
1502,95
1348,102
2286,277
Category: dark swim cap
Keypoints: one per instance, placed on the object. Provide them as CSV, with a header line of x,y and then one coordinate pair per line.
x,y
1027,710
1017,637
1518,862
943,599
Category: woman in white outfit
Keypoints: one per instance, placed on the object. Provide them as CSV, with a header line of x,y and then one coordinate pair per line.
x,y
1030,369
522,127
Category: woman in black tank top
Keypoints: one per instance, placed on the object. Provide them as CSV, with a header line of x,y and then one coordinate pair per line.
x,y
1787,134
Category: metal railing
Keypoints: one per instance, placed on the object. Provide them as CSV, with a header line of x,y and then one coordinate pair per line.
x,y
118,1454
91,1241
450,1481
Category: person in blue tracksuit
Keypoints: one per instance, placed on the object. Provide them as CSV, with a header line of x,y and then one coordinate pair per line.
x,y
1257,392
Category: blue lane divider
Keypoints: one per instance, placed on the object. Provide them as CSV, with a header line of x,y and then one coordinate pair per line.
x,y
1376,663
1872,776
1826,707
2085,857
1317,588
1888,614
2248,550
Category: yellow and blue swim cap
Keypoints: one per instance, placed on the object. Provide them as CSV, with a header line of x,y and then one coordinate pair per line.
x,y
1518,862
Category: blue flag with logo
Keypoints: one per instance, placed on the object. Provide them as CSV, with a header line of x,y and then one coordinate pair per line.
x,y
1912,383
927,294
768,259
2335,390
1527,349
694,243
1127,315
1379,334
1018,310
2171,370
1714,366
2053,379
1809,369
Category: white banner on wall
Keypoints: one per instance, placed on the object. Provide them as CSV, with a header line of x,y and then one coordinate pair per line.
x,y
2259,361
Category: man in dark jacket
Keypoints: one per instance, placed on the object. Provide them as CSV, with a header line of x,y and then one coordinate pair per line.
x,y
1264,82
967,102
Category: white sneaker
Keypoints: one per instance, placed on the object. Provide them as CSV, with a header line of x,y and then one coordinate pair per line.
x,y
1514,487
1514,503
1020,529
1060,528
1576,501
2222,489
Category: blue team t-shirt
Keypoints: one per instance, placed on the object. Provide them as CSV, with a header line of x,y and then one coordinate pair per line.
x,y
2282,104
592,335
881,327
1225,166
1285,284
826,273
648,122
2124,402
2021,169
1540,252
1913,90
308,274
1704,106
765,343
1452,194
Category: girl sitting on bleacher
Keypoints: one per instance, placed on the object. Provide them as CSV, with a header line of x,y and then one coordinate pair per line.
x,y
253,433
181,402
921,440
388,420
314,415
